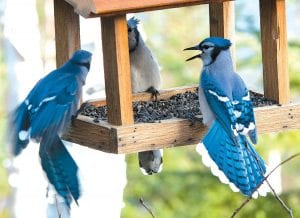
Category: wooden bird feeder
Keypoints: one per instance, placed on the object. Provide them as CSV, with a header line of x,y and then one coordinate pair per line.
x,y
120,134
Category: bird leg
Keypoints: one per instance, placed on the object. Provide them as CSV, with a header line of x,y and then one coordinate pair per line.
x,y
81,109
154,92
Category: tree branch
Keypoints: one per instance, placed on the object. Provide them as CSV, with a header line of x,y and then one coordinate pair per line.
x,y
145,206
245,202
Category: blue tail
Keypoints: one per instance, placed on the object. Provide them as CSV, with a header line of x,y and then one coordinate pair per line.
x,y
60,168
240,163
20,121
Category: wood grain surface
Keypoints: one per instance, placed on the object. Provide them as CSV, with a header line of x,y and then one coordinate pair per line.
x,y
117,70
274,50
67,31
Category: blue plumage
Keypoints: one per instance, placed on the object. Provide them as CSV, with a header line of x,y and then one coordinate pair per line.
x,y
133,22
45,114
218,42
223,94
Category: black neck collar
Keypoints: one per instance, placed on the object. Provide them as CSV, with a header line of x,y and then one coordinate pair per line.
x,y
137,40
87,64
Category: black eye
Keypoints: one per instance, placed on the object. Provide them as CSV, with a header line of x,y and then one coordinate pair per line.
x,y
129,29
206,47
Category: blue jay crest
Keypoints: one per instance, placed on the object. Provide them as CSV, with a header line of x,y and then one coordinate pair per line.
x,y
133,22
218,42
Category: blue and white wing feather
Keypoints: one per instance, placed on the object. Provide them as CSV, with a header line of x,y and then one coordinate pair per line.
x,y
45,114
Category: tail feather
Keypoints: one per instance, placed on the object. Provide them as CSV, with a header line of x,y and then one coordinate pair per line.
x,y
60,169
20,123
234,165
258,168
239,162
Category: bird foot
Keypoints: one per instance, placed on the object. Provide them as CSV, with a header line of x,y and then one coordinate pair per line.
x,y
154,92
194,120
81,109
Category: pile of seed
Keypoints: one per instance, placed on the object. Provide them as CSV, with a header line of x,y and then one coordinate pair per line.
x,y
259,100
184,105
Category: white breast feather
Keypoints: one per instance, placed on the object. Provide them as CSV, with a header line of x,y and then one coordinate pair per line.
x,y
144,68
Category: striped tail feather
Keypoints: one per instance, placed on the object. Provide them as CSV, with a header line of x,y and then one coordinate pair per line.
x,y
238,165
60,168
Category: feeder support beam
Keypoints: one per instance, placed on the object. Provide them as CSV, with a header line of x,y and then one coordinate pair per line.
x,y
221,21
67,31
274,50
117,69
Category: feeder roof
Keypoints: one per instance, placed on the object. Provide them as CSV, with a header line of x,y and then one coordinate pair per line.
x,y
90,8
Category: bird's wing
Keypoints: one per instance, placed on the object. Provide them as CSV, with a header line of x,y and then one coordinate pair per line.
x,y
235,113
244,109
245,117
18,131
222,107
55,110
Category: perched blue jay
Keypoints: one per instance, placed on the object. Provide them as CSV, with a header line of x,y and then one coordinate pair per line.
x,y
145,76
227,110
45,114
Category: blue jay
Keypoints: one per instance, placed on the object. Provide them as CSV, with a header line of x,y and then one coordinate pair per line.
x,y
45,114
145,76
227,110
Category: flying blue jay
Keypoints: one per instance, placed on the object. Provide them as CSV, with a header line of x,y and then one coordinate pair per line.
x,y
45,114
227,110
145,76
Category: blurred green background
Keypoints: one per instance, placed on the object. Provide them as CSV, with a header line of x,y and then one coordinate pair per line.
x,y
186,188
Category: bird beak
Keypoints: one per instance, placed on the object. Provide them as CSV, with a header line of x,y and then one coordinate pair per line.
x,y
193,48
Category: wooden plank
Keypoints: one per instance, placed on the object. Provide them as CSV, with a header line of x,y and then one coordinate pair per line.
x,y
278,118
67,31
274,50
145,96
113,7
117,70
85,132
169,133
222,24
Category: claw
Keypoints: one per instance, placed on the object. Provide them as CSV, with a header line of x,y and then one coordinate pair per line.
x,y
154,92
81,109
194,120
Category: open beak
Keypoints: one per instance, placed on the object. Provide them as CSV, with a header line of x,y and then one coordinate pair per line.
x,y
193,48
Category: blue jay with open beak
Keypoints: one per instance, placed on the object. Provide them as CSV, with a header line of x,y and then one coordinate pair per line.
x,y
227,110
45,115
145,76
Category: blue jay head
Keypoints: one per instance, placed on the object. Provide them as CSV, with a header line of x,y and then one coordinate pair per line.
x,y
82,59
133,33
210,48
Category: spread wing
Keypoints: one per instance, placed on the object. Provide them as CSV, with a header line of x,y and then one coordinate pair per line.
x,y
55,110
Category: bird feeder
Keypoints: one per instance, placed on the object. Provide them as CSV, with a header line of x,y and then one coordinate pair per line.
x,y
120,134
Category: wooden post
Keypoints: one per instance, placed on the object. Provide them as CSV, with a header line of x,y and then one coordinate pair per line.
x,y
221,21
274,50
117,69
67,31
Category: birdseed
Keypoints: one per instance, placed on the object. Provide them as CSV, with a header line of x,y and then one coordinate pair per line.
x,y
184,105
